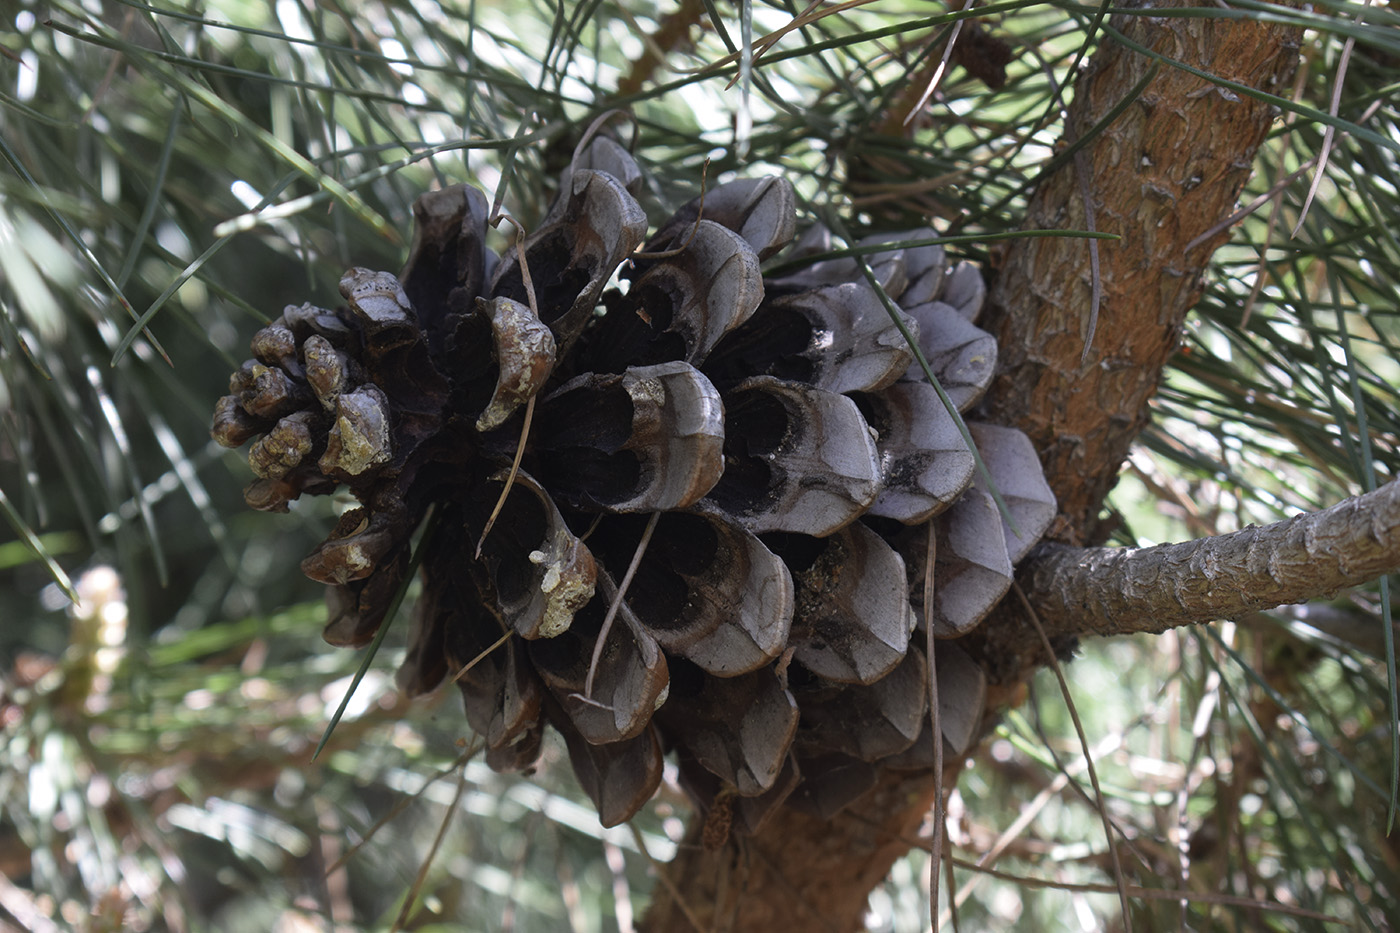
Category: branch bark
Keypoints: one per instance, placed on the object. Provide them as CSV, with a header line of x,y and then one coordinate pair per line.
x,y
800,872
1119,591
1166,172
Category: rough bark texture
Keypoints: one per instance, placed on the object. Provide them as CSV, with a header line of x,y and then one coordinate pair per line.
x,y
1118,591
759,884
1169,169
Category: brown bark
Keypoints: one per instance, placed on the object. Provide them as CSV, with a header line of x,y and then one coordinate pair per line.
x,y
800,872
672,34
1168,170
1119,591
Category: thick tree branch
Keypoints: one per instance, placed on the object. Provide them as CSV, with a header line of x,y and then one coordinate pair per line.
x,y
1118,591
1160,176
1167,171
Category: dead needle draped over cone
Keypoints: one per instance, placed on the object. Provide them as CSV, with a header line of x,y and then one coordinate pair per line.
x,y
772,442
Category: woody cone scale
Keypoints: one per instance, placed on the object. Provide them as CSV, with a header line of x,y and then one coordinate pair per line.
x,y
774,436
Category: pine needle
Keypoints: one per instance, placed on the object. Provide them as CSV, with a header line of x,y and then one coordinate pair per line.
x,y
424,542
616,604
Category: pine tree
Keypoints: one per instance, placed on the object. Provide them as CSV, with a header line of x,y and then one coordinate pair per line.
x,y
1125,180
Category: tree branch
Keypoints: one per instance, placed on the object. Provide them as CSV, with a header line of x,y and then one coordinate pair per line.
x,y
1161,176
1118,591
1168,170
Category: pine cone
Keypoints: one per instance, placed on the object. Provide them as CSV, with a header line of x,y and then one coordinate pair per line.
x,y
775,438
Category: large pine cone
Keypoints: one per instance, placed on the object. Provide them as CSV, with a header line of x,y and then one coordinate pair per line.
x,y
773,440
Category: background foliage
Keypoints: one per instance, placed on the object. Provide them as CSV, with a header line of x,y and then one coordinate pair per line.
x,y
174,174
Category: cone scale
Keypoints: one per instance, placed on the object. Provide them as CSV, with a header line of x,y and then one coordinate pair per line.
x,y
773,441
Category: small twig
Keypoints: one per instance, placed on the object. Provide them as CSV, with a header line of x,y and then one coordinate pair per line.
x,y
24,907
402,805
597,704
1252,206
1161,894
935,722
422,876
520,257
660,871
510,477
1274,190
952,901
481,657
694,228
1261,271
810,15
1024,818
1330,133
1088,758
592,527
569,894
939,71
617,603
429,530
1081,171
530,405
742,863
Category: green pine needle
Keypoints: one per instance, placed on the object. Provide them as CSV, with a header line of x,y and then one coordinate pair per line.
x,y
425,541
